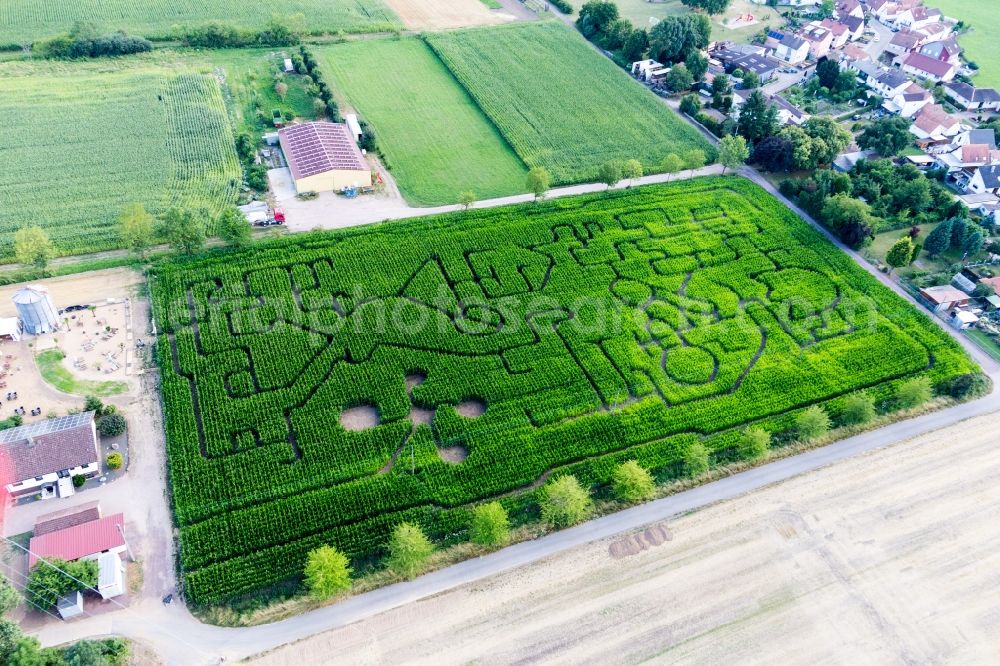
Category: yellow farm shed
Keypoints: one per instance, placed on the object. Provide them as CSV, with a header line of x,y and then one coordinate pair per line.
x,y
323,157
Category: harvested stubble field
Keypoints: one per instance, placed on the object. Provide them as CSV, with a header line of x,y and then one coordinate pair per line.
x,y
559,104
22,21
641,325
83,141
878,559
433,136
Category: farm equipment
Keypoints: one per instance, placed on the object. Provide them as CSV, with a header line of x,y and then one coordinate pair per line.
x,y
277,118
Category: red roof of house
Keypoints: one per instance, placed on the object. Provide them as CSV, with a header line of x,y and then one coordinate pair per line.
x,y
933,116
972,153
313,148
933,66
60,520
836,27
78,541
993,282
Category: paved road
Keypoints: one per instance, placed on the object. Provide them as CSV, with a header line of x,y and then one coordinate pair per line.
x,y
181,639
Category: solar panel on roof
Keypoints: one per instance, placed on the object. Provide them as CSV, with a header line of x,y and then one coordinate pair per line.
x,y
313,148
45,427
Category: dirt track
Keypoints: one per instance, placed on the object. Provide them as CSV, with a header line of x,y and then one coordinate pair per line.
x,y
891,557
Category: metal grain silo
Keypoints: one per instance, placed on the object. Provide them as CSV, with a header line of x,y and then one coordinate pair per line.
x,y
35,309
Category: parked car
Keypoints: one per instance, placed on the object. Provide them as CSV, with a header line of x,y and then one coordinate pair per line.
x,y
73,308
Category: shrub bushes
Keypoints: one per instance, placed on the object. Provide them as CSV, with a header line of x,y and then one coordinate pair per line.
x,y
112,425
632,483
564,502
115,460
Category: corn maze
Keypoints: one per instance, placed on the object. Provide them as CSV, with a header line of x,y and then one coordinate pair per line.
x,y
324,388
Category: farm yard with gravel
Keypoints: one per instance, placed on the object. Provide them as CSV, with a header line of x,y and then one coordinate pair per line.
x,y
308,404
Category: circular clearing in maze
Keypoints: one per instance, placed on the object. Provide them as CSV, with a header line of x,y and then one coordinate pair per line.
x,y
471,408
690,365
415,378
453,454
359,418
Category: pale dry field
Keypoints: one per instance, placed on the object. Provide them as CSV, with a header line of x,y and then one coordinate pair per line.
x,y
445,14
891,557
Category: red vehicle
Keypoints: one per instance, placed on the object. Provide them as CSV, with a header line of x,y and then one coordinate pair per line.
x,y
279,217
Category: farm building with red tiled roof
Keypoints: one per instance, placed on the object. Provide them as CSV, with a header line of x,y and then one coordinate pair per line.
x,y
86,541
43,457
324,157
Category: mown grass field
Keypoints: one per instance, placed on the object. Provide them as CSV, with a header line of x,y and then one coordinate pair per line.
x,y
639,12
22,21
435,139
651,324
560,104
82,141
981,44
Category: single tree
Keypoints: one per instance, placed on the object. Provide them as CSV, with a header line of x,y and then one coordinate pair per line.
x,y
327,572
184,229
490,525
887,136
751,80
758,118
281,89
774,153
233,227
137,228
631,170
914,392
826,8
939,239
564,502
635,45
708,6
409,549
538,181
689,105
973,242
733,152
959,229
112,425
10,637
813,422
754,443
827,72
694,159
858,408
671,164
850,218
679,78
51,579
85,653
595,17
610,173
32,247
697,64
900,252
319,107
696,459
466,199
632,483
9,597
